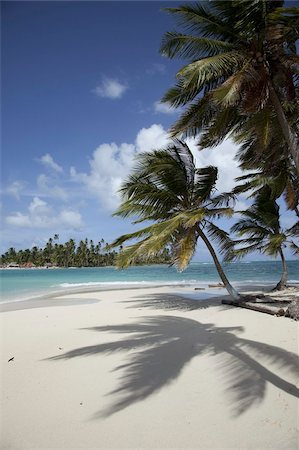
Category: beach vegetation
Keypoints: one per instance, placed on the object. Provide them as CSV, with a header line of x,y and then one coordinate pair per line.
x,y
181,200
260,230
69,254
242,69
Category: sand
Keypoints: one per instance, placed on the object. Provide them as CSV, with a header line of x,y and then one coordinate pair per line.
x,y
147,368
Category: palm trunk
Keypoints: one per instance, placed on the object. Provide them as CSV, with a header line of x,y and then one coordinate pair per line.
x,y
284,277
230,289
289,136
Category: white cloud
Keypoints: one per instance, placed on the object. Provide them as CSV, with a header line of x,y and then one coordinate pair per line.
x,y
42,215
164,108
38,207
151,138
15,189
110,88
221,157
111,164
46,187
70,219
48,161
18,220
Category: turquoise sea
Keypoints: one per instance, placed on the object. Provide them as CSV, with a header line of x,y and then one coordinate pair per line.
x,y
19,284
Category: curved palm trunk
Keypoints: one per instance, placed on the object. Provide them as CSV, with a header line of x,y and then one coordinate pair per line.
x,y
230,289
289,136
284,277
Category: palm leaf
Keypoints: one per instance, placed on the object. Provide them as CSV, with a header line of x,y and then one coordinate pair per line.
x,y
180,45
196,74
184,247
221,237
203,20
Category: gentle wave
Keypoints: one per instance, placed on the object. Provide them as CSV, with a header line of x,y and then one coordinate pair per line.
x,y
127,283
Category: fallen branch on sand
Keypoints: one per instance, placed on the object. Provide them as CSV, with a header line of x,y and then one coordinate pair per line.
x,y
285,304
254,307
293,310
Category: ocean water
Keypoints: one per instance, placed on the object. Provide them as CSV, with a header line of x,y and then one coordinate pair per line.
x,y
16,284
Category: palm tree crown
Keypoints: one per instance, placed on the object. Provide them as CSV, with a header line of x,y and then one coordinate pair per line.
x,y
260,230
241,60
167,188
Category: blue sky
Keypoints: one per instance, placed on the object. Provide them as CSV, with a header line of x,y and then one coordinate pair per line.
x,y
81,83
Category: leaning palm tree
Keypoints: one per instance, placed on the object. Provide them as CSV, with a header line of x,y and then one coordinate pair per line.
x,y
165,187
260,231
241,60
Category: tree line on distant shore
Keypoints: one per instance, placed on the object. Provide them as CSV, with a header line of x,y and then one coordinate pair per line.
x,y
86,254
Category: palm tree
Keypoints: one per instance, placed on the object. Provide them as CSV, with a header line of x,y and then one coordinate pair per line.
x,y
241,61
281,180
260,231
165,187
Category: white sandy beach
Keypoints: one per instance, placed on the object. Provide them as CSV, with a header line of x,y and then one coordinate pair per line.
x,y
147,368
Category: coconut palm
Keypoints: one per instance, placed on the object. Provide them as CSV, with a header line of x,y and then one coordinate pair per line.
x,y
281,180
261,231
263,152
241,61
165,187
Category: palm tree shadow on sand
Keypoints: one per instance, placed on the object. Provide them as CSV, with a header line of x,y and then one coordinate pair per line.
x,y
176,302
158,348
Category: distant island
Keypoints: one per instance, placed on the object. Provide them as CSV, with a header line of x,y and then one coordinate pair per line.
x,y
69,254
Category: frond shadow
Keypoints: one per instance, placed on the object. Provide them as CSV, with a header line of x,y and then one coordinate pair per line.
x,y
176,302
158,348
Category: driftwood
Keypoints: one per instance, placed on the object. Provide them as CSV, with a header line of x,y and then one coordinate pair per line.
x,y
255,307
293,310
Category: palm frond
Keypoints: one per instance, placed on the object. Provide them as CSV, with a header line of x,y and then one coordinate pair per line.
x,y
221,237
225,198
183,248
239,253
194,118
293,230
230,92
178,45
294,248
220,126
195,75
218,212
205,182
204,21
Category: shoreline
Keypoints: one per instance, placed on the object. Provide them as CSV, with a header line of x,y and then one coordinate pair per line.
x,y
162,368
97,287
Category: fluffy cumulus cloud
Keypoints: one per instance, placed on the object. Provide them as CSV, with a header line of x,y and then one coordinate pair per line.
x,y
222,157
40,214
151,138
110,88
111,163
48,161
